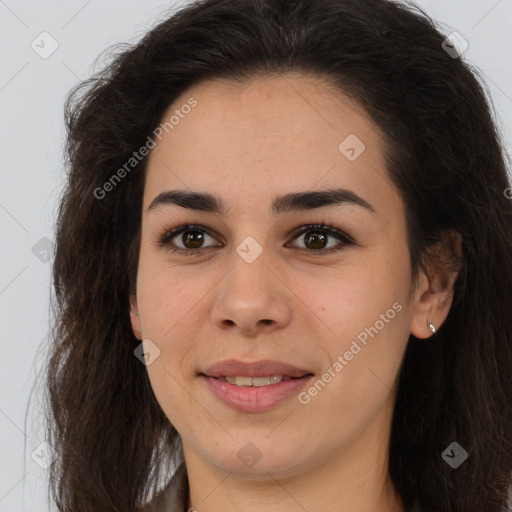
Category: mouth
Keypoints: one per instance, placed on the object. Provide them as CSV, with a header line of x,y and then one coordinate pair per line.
x,y
255,394
245,380
260,371
255,387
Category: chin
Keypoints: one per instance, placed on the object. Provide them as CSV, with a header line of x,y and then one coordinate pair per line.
x,y
255,459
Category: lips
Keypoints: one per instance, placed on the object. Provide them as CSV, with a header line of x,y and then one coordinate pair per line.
x,y
253,390
262,368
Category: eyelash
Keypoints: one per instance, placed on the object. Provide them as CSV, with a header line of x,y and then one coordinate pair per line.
x,y
164,240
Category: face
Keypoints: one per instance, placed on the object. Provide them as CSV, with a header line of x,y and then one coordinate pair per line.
x,y
251,284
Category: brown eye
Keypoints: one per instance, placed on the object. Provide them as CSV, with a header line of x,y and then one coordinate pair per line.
x,y
317,237
193,239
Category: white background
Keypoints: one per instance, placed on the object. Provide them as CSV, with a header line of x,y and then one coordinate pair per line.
x,y
32,93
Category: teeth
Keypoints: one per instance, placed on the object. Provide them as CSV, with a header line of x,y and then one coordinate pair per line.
x,y
256,381
242,381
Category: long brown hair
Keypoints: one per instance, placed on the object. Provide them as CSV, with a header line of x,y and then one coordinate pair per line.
x,y
114,444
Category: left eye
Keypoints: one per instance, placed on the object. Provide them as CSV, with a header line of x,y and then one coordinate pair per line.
x,y
193,236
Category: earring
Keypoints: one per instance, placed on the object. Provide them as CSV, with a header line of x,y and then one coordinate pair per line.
x,y
431,327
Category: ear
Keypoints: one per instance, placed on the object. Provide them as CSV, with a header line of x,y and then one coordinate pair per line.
x,y
433,296
134,317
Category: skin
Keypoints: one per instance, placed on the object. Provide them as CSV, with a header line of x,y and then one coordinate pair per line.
x,y
247,144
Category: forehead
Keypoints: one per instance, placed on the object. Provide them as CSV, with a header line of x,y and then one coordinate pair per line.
x,y
280,133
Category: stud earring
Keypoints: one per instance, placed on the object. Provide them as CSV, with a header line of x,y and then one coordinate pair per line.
x,y
431,327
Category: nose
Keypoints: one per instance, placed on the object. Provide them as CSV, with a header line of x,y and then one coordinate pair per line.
x,y
252,298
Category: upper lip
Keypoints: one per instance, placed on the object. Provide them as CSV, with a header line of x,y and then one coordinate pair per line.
x,y
264,367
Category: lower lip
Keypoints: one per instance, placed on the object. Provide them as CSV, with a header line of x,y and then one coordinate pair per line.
x,y
255,399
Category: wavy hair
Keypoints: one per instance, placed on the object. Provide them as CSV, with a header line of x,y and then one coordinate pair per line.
x,y
445,155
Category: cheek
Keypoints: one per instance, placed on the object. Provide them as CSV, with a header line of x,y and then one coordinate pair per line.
x,y
361,359
363,310
169,297
352,297
170,313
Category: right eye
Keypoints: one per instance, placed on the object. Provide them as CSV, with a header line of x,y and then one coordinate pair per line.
x,y
195,237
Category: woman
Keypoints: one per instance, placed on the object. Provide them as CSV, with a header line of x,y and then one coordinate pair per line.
x,y
283,270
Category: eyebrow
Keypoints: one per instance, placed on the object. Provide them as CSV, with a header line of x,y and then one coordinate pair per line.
x,y
296,201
